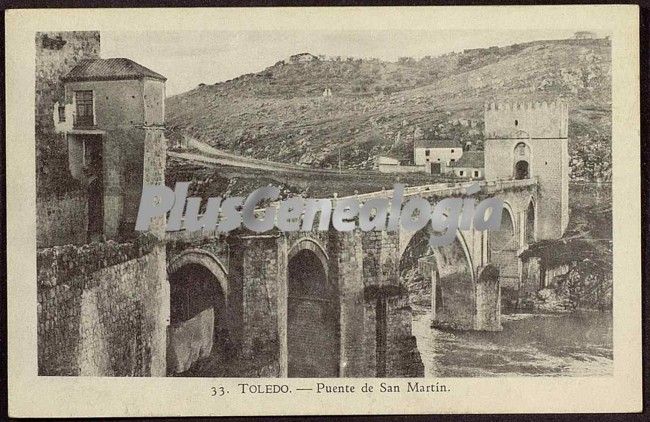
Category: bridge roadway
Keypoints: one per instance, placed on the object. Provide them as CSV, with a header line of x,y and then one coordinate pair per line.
x,y
202,160
436,190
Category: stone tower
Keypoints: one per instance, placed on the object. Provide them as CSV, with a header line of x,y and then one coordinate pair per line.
x,y
56,54
113,118
531,141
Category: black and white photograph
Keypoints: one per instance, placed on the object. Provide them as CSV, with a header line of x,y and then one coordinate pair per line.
x,y
405,206
528,120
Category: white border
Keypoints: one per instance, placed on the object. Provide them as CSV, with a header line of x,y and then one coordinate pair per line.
x,y
30,395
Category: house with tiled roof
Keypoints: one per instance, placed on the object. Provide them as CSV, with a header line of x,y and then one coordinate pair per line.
x,y
471,165
112,115
110,70
441,152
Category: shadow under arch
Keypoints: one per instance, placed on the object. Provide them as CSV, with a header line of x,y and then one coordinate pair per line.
x,y
205,259
506,236
198,334
313,341
530,235
307,243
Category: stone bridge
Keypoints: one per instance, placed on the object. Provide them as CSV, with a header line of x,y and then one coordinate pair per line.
x,y
334,304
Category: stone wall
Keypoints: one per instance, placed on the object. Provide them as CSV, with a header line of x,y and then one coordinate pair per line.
x,y
103,309
346,269
131,156
56,54
402,356
537,120
61,220
260,274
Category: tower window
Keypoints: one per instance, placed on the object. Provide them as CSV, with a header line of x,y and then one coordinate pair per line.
x,y
516,122
427,152
61,113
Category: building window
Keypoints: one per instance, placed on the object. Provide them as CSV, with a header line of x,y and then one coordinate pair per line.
x,y
453,160
461,173
427,153
84,101
475,173
61,113
452,151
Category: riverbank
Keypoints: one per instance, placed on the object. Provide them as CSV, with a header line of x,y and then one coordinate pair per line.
x,y
572,344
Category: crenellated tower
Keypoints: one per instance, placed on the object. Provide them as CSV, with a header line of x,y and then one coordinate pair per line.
x,y
531,141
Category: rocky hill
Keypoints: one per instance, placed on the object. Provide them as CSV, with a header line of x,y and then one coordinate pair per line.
x,y
286,113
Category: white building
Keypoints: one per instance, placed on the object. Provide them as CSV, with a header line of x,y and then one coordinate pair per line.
x,y
585,35
393,165
470,165
442,151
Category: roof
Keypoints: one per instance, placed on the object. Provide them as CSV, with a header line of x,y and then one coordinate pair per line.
x,y
110,70
470,159
437,143
384,159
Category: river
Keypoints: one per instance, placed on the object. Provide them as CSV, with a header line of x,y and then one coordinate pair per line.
x,y
578,344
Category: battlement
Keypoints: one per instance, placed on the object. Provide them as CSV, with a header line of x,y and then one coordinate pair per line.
x,y
526,120
560,105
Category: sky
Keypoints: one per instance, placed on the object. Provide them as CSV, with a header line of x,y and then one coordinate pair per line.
x,y
188,58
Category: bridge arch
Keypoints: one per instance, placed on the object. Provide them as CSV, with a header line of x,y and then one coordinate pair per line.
x,y
203,258
199,323
308,243
313,343
441,277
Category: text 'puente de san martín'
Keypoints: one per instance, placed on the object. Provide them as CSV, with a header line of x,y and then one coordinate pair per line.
x,y
275,304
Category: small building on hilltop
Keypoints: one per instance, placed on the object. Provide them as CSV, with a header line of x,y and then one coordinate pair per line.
x,y
113,120
440,151
302,58
470,165
585,35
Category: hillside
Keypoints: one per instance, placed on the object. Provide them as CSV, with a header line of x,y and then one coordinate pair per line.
x,y
281,114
